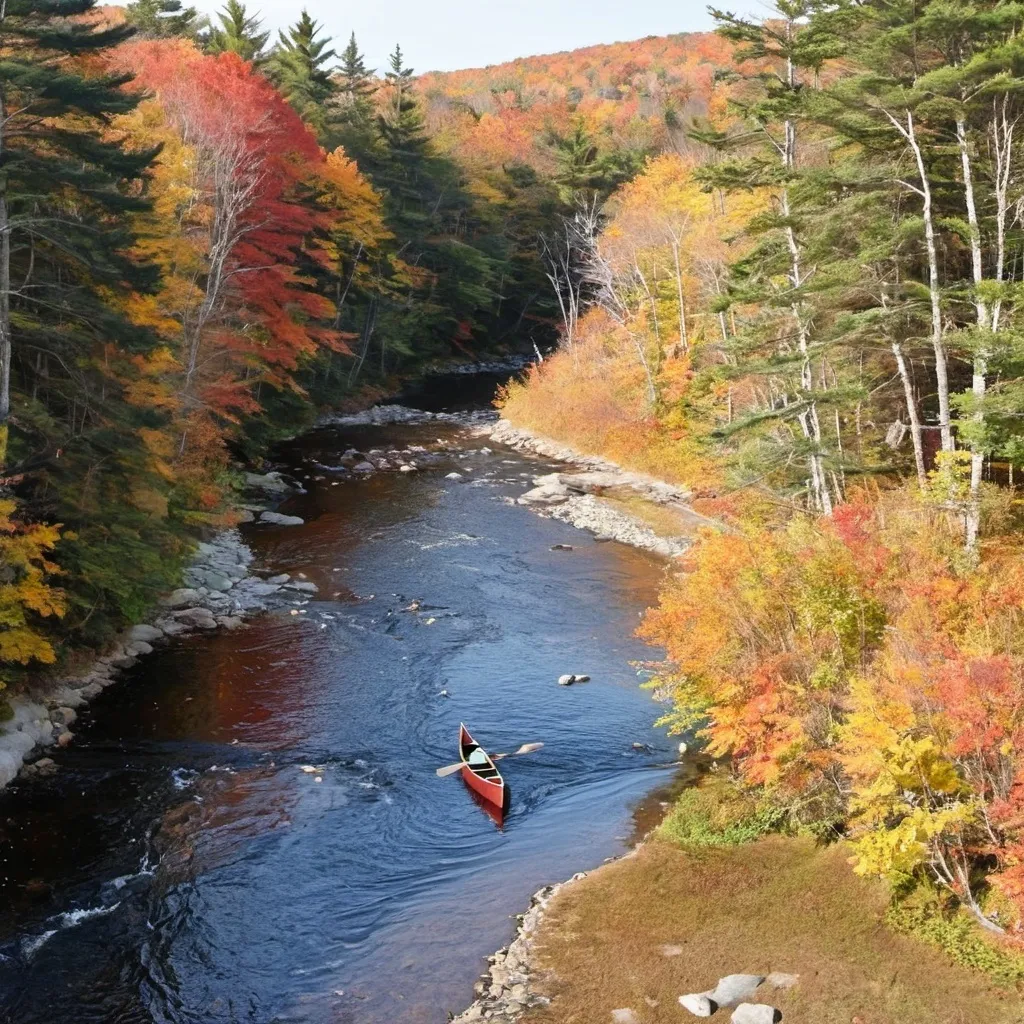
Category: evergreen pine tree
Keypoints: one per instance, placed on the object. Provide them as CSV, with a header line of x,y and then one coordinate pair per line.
x,y
354,125
63,234
161,18
238,33
299,68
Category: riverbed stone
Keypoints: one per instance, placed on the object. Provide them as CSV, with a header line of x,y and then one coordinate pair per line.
x,y
147,634
302,586
63,716
734,989
199,617
698,1004
182,598
279,519
755,1013
363,467
270,482
138,648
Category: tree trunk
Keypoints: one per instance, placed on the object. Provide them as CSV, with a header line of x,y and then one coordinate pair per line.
x,y
915,422
938,343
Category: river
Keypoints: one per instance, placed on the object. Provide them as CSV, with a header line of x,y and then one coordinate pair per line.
x,y
181,867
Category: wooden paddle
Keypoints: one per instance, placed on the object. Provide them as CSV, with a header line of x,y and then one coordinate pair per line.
x,y
526,748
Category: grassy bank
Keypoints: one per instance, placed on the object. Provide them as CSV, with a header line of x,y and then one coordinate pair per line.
x,y
781,904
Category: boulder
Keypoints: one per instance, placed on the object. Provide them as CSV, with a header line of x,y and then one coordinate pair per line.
x,y
277,519
202,618
698,1004
182,598
755,1013
734,989
147,634
270,482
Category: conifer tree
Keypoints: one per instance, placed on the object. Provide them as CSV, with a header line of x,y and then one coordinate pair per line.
x,y
354,123
63,238
239,32
299,68
159,19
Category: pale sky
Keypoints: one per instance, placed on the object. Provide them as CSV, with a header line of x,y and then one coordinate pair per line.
x,y
443,35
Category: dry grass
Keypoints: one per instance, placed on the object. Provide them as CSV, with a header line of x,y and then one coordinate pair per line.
x,y
664,520
779,904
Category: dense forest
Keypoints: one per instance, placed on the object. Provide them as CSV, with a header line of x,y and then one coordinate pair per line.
x,y
812,317
780,264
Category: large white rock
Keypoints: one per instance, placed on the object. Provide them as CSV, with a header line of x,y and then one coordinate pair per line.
x,y
734,989
754,1013
698,1004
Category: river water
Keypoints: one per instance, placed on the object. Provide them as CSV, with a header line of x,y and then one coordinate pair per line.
x,y
181,867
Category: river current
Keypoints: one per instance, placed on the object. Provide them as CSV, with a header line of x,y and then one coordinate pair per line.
x,y
182,867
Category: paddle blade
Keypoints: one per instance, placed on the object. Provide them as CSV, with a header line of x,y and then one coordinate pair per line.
x,y
526,748
449,769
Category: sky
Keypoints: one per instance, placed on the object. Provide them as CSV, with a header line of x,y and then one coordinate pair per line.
x,y
444,35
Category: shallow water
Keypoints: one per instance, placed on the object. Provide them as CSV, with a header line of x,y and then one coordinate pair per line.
x,y
181,867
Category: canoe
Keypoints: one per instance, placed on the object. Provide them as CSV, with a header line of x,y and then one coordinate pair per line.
x,y
479,772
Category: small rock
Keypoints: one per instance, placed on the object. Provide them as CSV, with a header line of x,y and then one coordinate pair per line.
x,y
698,1004
777,979
625,1016
755,1013
182,598
46,766
202,618
363,467
671,950
65,738
230,621
63,716
652,1003
561,547
278,519
454,476
406,469
139,647
734,989
280,578
682,748
302,586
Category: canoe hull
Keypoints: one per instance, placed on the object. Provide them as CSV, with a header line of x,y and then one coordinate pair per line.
x,y
492,790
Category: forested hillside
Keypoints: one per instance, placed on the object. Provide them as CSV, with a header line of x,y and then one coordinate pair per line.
x,y
815,322
210,234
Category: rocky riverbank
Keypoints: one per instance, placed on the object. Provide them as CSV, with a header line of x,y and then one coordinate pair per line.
x,y
604,497
221,591
507,988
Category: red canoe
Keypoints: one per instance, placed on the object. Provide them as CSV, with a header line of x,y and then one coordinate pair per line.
x,y
478,771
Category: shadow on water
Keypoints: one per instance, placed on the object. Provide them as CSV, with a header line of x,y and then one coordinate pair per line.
x,y
250,828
